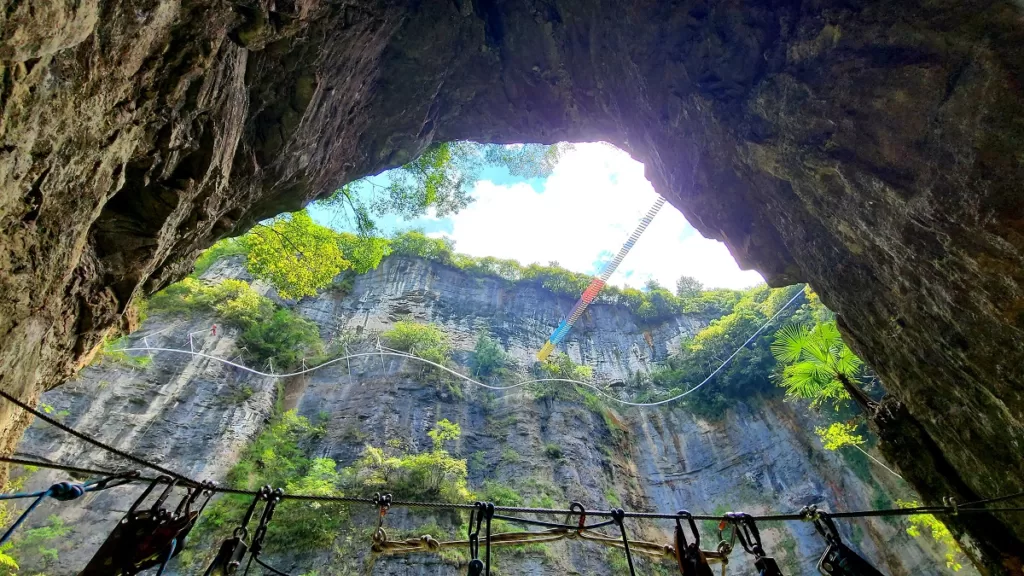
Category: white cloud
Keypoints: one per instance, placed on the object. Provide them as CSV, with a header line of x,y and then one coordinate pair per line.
x,y
589,206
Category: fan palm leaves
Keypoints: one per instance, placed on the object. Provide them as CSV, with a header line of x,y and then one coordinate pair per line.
x,y
817,364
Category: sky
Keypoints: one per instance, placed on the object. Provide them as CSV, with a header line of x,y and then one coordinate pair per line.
x,y
579,217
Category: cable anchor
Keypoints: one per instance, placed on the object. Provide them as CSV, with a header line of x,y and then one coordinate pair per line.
x,y
950,502
578,509
618,515
380,536
273,498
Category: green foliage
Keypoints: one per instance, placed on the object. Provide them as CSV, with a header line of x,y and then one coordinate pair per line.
x,y
711,526
553,451
526,160
240,394
8,564
747,374
285,338
488,356
444,431
276,458
222,249
419,245
920,523
441,178
688,287
612,497
500,494
268,332
839,434
424,476
110,351
561,366
815,361
544,493
510,456
300,257
424,340
41,543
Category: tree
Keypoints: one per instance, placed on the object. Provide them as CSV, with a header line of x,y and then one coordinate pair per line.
x,y
488,355
940,533
842,434
421,476
688,287
424,340
444,431
561,366
818,365
299,256
652,285
441,178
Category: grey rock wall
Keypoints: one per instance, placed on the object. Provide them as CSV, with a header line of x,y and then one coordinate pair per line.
x,y
195,415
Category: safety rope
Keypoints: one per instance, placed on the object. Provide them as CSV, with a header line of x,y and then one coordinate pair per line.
x,y
689,555
969,508
597,284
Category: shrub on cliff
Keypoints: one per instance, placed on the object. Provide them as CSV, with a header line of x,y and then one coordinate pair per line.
x,y
277,458
488,356
269,333
415,475
748,373
424,340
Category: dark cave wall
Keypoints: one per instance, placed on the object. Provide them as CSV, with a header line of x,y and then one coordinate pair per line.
x,y
874,149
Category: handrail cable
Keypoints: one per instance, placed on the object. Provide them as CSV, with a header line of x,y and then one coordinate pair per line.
x,y
384,351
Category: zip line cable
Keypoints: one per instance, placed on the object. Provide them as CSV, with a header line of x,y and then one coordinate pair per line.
x,y
93,441
543,511
384,351
518,509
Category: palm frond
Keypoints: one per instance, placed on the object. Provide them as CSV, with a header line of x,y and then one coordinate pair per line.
x,y
848,363
804,380
789,343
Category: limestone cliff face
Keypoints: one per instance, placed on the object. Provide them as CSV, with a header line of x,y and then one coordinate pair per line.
x,y
195,415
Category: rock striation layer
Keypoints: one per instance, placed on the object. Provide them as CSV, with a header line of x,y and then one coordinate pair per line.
x,y
871,148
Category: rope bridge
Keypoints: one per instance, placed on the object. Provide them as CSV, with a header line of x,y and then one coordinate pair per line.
x,y
150,537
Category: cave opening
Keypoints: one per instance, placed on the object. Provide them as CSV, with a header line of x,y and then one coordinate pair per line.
x,y
869,149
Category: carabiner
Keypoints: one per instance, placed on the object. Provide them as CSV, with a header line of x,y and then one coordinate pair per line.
x,y
750,539
481,511
618,516
838,558
689,556
232,550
